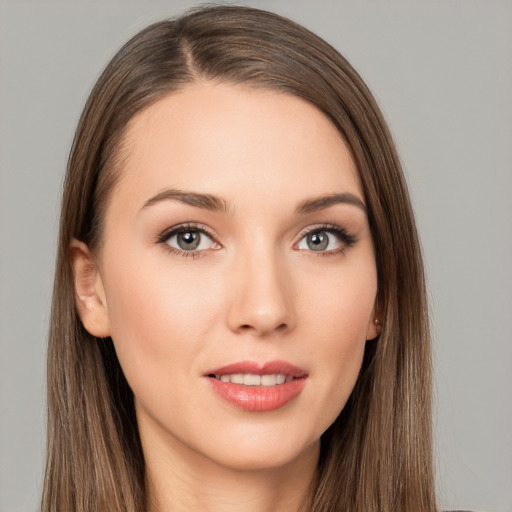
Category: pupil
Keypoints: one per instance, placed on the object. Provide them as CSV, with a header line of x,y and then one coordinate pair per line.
x,y
318,241
188,240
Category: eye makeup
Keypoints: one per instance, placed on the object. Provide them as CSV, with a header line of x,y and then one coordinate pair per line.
x,y
317,242
192,239
189,234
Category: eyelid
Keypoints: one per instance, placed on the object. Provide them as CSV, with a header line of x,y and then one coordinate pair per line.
x,y
193,226
171,231
347,239
333,228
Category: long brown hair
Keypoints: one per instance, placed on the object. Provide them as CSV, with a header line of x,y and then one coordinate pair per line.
x,y
377,456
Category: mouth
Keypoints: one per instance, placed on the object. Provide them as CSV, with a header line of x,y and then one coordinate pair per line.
x,y
251,379
257,387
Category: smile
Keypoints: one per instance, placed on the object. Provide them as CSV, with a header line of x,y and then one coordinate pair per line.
x,y
258,388
251,379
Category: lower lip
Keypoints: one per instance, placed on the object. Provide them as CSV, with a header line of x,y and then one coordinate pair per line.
x,y
258,398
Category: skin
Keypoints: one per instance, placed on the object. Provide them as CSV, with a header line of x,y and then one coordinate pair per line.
x,y
254,291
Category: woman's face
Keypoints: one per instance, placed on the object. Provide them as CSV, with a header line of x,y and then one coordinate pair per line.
x,y
237,255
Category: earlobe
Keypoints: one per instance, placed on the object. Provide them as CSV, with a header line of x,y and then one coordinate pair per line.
x,y
374,326
90,295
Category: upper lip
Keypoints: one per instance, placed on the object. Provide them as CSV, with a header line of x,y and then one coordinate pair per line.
x,y
255,368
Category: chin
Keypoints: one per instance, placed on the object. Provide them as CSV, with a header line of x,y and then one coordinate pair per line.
x,y
256,449
241,459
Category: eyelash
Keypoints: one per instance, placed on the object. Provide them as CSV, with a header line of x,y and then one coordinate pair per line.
x,y
347,240
164,237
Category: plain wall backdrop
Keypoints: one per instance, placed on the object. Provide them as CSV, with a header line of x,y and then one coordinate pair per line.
x,y
442,73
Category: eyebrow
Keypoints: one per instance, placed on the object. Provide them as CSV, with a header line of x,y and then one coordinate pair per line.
x,y
217,204
205,201
323,202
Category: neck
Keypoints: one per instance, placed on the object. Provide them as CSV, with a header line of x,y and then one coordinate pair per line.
x,y
179,480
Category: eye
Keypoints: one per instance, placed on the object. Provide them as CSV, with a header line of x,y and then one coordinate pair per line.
x,y
326,239
188,239
319,241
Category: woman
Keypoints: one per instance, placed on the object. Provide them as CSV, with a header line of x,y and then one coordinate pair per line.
x,y
239,314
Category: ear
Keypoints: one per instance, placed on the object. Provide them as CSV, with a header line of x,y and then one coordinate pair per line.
x,y
374,325
90,297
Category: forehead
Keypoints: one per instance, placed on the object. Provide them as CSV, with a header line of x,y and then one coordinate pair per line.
x,y
221,138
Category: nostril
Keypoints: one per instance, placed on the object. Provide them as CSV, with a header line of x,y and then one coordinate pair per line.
x,y
263,330
258,314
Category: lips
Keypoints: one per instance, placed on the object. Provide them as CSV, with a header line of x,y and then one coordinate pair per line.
x,y
257,387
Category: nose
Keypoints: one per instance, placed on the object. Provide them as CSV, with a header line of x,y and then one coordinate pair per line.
x,y
261,295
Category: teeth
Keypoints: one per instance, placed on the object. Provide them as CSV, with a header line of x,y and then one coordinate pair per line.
x,y
237,378
250,379
268,380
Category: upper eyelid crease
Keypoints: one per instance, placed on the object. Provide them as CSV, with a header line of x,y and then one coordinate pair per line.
x,y
172,230
347,239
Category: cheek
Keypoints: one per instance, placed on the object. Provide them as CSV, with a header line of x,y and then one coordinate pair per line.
x,y
340,323
157,313
342,304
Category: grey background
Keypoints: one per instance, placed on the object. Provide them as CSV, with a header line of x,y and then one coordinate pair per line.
x,y
442,72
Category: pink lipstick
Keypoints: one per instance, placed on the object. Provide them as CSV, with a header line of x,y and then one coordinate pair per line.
x,y
257,387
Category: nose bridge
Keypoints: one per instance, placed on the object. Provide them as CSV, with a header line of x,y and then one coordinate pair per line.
x,y
261,299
